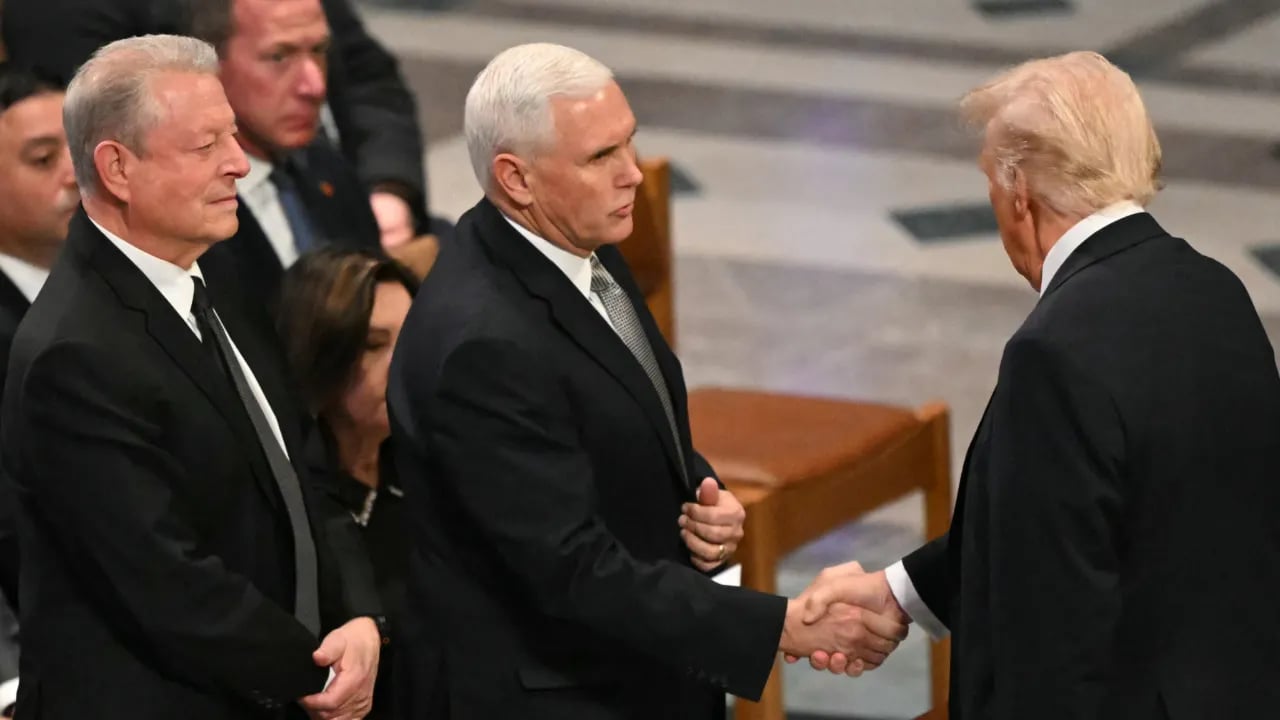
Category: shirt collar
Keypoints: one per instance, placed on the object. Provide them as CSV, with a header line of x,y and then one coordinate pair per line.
x,y
259,173
173,282
577,269
1080,232
26,277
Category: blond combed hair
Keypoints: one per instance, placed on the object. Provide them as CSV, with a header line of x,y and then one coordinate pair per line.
x,y
1075,126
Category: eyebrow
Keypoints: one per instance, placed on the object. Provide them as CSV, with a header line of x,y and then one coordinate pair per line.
x,y
290,47
39,142
605,151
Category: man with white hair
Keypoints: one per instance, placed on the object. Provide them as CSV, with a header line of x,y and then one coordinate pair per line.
x,y
173,564
1115,549
562,521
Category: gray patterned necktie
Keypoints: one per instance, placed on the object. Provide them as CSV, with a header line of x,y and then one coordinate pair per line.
x,y
627,324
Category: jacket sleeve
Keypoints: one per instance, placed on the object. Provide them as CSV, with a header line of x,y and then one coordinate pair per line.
x,y
508,442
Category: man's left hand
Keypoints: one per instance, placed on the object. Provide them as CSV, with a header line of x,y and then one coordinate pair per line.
x,y
352,653
712,528
395,218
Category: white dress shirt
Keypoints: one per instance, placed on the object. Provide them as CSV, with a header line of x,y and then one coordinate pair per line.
x,y
26,277
259,193
176,286
904,591
577,269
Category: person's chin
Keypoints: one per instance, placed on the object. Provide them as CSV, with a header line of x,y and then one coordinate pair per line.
x,y
620,229
297,137
223,228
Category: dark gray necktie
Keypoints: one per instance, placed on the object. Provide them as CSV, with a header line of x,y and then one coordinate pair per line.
x,y
627,324
286,178
306,603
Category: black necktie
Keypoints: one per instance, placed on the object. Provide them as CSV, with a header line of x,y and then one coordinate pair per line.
x,y
306,603
287,179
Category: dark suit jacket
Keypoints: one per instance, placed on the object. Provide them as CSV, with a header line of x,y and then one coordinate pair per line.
x,y
1115,550
157,577
373,108
246,266
548,578
13,305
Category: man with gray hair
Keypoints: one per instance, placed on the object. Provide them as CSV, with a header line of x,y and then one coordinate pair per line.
x,y
173,564
562,520
1115,549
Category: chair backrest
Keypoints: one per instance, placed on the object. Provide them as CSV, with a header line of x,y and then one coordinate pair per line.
x,y
648,250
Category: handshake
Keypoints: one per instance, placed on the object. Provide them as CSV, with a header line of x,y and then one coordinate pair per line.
x,y
847,621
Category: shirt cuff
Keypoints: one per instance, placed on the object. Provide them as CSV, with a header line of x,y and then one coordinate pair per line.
x,y
904,591
8,694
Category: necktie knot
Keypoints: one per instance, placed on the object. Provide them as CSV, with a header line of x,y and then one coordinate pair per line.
x,y
284,174
601,280
199,297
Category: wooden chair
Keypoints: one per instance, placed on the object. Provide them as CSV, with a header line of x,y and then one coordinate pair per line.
x,y
805,466
801,466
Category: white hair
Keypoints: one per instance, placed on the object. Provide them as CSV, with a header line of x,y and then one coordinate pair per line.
x,y
110,96
509,105
1075,126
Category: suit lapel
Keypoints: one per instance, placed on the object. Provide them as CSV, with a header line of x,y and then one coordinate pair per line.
x,y
172,334
580,321
338,206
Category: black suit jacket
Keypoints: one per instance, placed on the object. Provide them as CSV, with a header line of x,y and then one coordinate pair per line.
x,y
246,269
372,107
157,576
548,578
1115,549
13,306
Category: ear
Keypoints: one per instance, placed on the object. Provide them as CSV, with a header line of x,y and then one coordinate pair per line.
x,y
511,174
1021,194
114,163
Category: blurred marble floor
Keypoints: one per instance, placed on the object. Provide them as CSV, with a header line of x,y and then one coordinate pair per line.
x,y
831,230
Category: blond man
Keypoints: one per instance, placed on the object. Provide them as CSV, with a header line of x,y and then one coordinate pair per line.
x,y
1115,549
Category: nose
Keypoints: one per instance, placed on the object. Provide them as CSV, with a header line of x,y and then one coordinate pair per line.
x,y
66,171
236,164
631,175
311,79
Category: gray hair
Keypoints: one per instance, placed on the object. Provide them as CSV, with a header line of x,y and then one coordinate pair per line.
x,y
110,96
509,106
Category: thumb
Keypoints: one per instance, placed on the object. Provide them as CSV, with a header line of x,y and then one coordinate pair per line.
x,y
708,492
330,650
816,604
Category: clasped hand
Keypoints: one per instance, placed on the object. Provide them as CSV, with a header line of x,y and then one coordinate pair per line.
x,y
712,528
847,621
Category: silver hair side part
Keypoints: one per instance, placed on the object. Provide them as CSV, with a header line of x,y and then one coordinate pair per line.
x,y
508,108
110,96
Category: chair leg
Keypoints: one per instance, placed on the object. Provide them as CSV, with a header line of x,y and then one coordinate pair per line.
x,y
937,510
759,558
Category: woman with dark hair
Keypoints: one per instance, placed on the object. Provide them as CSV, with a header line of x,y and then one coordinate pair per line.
x,y
339,317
